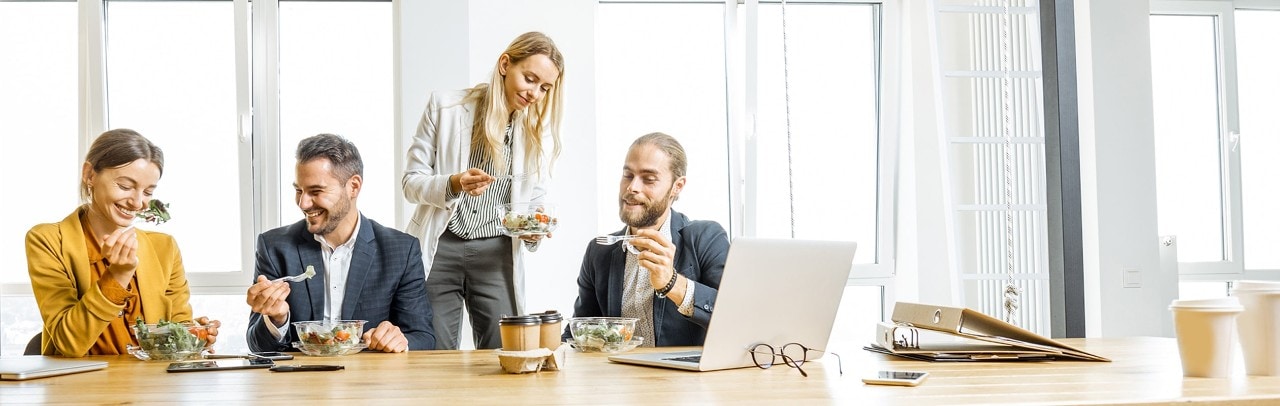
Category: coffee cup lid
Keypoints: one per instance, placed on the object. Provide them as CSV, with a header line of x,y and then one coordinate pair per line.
x,y
1228,303
1256,286
531,320
551,316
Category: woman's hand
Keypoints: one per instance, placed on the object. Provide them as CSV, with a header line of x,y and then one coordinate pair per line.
x,y
534,238
120,249
212,327
474,181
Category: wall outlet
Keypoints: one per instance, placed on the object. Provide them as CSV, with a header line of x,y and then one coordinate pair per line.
x,y
1131,277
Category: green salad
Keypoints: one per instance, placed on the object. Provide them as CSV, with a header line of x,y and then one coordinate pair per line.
x,y
531,223
170,341
156,212
601,336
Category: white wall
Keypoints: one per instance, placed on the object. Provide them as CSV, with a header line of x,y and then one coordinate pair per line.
x,y
444,45
1118,170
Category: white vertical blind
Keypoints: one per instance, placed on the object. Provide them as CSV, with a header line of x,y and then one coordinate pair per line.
x,y
998,221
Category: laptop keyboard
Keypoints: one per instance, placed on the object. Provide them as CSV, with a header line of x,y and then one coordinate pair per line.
x,y
692,359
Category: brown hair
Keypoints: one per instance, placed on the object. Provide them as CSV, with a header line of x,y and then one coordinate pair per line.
x,y
117,148
669,145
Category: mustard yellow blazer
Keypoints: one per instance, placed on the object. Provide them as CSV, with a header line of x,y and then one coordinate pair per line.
x,y
73,308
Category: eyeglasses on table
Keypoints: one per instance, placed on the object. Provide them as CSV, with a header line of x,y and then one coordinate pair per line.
x,y
792,354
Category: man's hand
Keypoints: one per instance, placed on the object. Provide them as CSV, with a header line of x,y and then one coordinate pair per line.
x,y
657,255
212,327
386,338
269,299
474,181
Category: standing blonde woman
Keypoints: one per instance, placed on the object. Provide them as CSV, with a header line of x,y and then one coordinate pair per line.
x,y
507,126
94,274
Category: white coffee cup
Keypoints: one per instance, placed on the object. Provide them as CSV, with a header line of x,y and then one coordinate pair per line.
x,y
1206,335
1258,326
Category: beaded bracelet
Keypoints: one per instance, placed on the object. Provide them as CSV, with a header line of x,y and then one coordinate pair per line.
x,y
666,289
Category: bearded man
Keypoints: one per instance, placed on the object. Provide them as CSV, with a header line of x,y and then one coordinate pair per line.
x,y
667,275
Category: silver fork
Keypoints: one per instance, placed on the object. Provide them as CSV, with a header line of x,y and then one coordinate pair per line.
x,y
514,176
626,242
311,271
613,239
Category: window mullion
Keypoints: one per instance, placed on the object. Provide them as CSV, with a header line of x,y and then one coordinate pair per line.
x,y
1230,131
93,72
266,114
245,123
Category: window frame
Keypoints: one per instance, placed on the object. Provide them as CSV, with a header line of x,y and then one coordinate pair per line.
x,y
1232,267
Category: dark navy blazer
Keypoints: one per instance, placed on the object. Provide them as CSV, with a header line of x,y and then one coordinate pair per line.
x,y
701,248
386,282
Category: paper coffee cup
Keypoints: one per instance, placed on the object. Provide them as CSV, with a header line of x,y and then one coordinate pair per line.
x,y
1258,327
519,333
1206,335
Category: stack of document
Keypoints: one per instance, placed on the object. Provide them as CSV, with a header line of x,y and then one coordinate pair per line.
x,y
941,333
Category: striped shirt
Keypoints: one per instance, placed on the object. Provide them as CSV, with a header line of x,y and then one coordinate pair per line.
x,y
476,217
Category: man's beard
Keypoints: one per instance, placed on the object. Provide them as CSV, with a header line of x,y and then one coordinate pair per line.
x,y
652,212
334,217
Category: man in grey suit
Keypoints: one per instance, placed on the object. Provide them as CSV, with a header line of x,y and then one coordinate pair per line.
x,y
375,273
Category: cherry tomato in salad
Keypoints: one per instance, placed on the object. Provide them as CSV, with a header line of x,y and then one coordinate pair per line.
x,y
200,333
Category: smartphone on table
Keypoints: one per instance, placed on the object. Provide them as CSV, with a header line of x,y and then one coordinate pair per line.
x,y
900,378
271,355
220,364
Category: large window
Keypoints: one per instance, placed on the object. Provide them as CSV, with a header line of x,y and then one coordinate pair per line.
x,y
38,99
171,75
179,72
677,88
1215,88
1257,63
38,109
335,77
811,171
831,180
1188,134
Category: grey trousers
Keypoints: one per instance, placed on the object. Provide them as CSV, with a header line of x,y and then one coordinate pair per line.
x,y
478,274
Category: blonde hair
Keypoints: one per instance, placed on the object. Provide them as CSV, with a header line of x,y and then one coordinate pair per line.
x,y
492,111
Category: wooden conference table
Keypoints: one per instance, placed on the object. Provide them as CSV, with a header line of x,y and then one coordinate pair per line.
x,y
1144,370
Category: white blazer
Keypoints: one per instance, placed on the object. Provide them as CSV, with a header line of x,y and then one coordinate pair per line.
x,y
441,148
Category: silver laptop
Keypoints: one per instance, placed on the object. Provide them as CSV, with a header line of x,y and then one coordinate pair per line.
x,y
773,292
38,366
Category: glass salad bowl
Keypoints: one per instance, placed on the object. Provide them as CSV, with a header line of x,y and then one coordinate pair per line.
x,y
329,338
169,341
604,334
527,218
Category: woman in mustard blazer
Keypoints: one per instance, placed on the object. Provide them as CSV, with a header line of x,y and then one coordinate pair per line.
x,y
94,274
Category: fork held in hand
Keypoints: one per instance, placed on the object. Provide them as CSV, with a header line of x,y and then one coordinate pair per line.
x,y
311,271
516,176
611,239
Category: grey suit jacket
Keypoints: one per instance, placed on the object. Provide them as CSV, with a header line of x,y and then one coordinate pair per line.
x,y
701,248
386,282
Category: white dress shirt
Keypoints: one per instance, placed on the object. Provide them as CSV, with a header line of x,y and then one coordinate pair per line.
x,y
337,264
